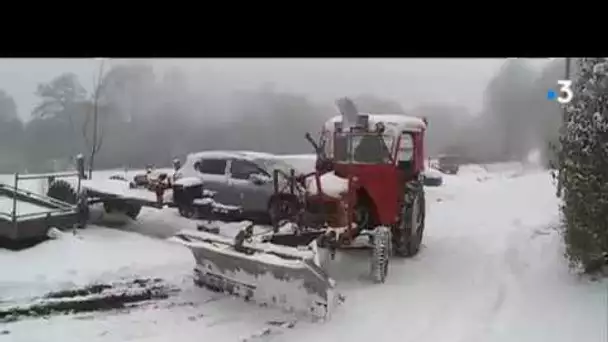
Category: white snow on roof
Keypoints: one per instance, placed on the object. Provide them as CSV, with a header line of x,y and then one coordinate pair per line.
x,y
249,155
391,122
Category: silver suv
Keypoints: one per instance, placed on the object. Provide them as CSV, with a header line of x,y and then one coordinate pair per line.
x,y
238,178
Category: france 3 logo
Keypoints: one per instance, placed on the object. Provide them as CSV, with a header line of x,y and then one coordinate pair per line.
x,y
564,95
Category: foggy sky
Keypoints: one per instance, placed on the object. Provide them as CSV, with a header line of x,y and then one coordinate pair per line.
x,y
411,82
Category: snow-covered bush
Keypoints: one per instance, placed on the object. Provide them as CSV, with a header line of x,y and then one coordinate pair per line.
x,y
583,167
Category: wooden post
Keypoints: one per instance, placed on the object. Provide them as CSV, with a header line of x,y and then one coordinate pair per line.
x,y
275,180
560,176
15,184
80,168
292,181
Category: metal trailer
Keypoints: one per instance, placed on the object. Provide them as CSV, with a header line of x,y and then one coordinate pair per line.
x,y
117,194
192,200
129,202
31,215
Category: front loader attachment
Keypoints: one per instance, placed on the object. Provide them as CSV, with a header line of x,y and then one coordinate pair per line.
x,y
265,273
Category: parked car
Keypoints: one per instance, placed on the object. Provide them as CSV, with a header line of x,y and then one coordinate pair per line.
x,y
237,178
449,164
432,177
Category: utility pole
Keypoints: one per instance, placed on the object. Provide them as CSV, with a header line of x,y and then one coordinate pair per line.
x,y
566,77
560,176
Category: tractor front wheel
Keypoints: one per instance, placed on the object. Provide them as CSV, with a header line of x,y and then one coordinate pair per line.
x,y
381,239
409,232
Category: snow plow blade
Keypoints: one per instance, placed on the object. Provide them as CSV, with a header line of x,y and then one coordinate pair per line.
x,y
264,273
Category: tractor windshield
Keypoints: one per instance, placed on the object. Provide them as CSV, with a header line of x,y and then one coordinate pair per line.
x,y
365,148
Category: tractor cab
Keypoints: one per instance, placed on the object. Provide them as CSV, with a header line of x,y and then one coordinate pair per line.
x,y
380,140
378,156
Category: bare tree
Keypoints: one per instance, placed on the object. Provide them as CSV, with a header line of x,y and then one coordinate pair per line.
x,y
94,137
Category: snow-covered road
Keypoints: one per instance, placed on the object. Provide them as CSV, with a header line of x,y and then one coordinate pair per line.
x,y
491,270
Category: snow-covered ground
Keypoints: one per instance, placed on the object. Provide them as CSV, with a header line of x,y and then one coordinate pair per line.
x,y
491,270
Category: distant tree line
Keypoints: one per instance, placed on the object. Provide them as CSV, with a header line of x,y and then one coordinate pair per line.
x,y
516,117
148,117
145,117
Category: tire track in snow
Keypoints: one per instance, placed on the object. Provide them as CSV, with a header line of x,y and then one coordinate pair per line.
x,y
511,261
486,304
496,265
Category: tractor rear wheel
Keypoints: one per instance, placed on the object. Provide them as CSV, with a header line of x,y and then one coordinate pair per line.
x,y
380,254
409,231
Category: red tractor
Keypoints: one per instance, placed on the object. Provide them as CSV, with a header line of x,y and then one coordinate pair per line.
x,y
368,182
